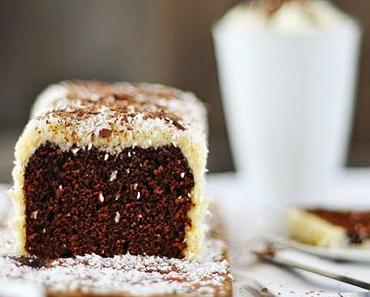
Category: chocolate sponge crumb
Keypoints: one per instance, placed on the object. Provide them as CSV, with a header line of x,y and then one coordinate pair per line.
x,y
86,201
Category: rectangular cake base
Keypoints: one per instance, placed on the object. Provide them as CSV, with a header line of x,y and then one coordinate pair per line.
x,y
125,275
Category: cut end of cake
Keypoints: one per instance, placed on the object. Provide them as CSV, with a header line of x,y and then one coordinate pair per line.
x,y
88,201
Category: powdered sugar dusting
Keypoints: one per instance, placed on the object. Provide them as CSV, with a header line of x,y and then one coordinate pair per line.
x,y
128,274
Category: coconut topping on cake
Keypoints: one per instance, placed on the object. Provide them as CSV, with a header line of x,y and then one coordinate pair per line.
x,y
103,109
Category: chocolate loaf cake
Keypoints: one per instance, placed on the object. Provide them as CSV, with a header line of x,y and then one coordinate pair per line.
x,y
110,169
330,227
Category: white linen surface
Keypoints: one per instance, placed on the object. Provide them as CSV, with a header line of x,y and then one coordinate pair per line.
x,y
247,218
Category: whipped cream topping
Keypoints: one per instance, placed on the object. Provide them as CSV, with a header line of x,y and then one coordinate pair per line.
x,y
291,17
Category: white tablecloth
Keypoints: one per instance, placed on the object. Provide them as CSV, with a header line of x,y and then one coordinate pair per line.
x,y
247,218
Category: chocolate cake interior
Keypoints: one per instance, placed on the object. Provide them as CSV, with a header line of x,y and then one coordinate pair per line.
x,y
356,224
85,201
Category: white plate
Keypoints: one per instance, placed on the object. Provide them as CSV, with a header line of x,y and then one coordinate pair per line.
x,y
279,231
351,254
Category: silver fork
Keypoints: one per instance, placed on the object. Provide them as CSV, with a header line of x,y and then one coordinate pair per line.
x,y
268,255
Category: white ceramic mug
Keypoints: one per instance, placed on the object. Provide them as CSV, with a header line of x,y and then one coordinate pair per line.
x,y
288,101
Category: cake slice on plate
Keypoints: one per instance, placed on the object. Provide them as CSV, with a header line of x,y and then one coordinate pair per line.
x,y
329,227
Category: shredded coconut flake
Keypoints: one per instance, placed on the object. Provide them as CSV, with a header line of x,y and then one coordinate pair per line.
x,y
75,151
101,197
117,217
34,214
113,176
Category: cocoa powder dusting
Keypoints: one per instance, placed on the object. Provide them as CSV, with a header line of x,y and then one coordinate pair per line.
x,y
356,223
